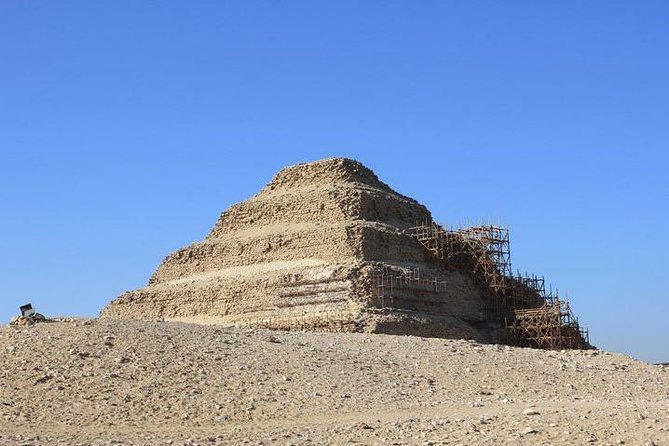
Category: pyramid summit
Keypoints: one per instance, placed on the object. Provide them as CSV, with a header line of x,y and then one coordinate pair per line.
x,y
326,246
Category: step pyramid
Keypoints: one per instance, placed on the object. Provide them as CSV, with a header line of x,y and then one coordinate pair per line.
x,y
324,246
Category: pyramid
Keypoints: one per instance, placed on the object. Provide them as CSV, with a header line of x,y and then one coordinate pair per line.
x,y
313,251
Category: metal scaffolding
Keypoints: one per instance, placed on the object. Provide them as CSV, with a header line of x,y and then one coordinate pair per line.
x,y
552,326
391,280
481,250
534,316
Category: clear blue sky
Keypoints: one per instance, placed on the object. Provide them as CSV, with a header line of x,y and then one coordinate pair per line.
x,y
126,127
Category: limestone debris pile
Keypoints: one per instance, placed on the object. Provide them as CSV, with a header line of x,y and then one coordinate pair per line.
x,y
20,321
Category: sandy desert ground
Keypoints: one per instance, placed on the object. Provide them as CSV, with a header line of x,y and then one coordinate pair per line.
x,y
99,382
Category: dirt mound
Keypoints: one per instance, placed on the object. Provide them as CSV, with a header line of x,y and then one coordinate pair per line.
x,y
307,253
107,382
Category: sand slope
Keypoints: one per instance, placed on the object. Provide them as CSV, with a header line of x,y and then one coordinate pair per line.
x,y
106,382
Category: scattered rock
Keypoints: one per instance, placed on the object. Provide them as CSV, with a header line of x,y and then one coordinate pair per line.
x,y
312,388
18,321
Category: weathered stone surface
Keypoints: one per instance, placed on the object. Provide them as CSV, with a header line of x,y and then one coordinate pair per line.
x,y
305,253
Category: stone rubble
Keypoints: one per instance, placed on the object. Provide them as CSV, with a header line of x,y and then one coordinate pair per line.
x,y
183,384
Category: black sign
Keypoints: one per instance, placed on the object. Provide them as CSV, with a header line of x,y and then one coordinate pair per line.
x,y
27,310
